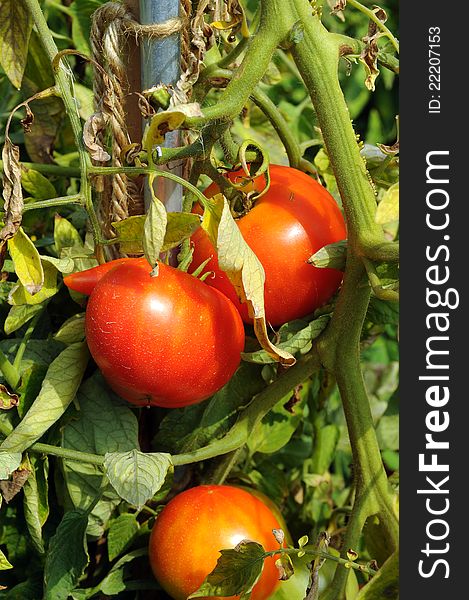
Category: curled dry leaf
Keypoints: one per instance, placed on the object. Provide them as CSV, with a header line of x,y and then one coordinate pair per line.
x,y
243,269
7,399
91,133
10,488
12,193
337,7
28,120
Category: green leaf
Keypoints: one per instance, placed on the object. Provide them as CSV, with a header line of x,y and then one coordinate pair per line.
x,y
104,423
20,295
189,428
36,502
81,23
331,256
64,265
137,476
325,444
4,563
180,226
387,432
383,312
9,462
388,208
72,331
37,185
19,315
237,571
57,392
154,229
121,532
296,586
277,427
243,269
295,337
385,584
351,587
27,262
15,28
67,556
65,235
30,386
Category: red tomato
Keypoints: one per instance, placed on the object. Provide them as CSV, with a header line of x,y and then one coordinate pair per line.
x,y
195,525
166,341
287,225
84,281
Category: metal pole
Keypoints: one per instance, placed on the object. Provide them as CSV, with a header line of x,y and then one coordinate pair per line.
x,y
161,64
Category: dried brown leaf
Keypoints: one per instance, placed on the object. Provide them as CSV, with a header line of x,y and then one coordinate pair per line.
x,y
12,193
91,137
10,488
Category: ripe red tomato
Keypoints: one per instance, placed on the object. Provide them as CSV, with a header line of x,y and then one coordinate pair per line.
x,y
195,525
294,219
166,341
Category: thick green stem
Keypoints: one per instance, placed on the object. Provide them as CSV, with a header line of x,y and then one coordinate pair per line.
x,y
50,169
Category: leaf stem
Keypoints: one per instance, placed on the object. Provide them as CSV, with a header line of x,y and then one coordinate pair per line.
x,y
9,371
61,201
372,16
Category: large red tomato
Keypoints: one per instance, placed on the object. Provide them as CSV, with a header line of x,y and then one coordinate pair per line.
x,y
166,341
195,525
287,225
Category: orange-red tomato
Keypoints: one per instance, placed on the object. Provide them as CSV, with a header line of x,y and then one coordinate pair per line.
x,y
294,219
195,525
84,281
166,341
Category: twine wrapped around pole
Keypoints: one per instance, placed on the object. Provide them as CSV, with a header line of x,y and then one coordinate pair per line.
x,y
111,24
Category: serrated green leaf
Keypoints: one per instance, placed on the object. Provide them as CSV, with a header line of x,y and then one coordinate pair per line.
x,y
36,502
15,28
137,476
4,563
57,392
383,312
104,423
9,462
37,185
67,556
388,208
295,338
19,315
331,256
154,228
27,262
180,226
385,584
72,331
19,295
121,532
237,571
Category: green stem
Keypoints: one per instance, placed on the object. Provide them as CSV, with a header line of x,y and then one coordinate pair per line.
x,y
282,128
62,201
372,16
23,343
50,169
387,252
83,457
9,371
310,551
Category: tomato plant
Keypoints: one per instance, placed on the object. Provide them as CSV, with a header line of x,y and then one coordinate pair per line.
x,y
159,341
285,227
195,525
101,177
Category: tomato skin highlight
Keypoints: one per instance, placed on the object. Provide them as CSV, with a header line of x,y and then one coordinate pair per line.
x,y
85,281
195,525
292,221
162,341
